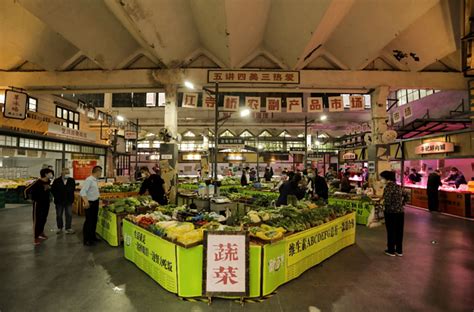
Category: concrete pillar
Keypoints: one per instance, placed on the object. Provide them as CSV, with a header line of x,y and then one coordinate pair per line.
x,y
169,151
107,102
171,109
378,152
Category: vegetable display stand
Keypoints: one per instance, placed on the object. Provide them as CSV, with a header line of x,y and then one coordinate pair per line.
x,y
180,270
362,208
118,195
109,226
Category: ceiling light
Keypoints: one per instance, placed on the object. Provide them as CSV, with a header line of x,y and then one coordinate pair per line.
x,y
245,112
189,85
120,118
323,117
260,146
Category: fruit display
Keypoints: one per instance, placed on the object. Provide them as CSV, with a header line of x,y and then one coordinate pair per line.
x,y
120,188
14,183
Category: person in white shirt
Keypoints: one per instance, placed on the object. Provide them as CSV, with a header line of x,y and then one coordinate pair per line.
x,y
90,197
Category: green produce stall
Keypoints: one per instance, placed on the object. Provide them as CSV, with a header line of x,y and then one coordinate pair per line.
x,y
362,208
112,212
180,270
109,225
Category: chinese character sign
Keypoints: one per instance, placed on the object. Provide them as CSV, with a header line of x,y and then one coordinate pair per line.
x,y
231,103
208,102
315,105
252,103
273,105
407,112
294,105
336,104
396,117
190,100
15,104
357,102
226,263
250,76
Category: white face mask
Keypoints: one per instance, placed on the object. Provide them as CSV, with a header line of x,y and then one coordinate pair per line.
x,y
67,176
50,176
384,181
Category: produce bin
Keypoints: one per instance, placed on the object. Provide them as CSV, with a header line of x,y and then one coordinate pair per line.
x,y
179,270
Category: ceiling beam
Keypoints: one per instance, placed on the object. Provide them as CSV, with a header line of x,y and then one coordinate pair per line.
x,y
316,79
333,15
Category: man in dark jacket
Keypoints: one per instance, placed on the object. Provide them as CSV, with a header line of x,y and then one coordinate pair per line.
x,y
40,194
320,187
434,182
63,191
154,184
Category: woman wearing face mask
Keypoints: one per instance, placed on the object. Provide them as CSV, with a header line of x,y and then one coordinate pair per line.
x,y
394,199
40,194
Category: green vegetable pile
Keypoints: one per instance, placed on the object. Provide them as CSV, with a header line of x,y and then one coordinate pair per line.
x,y
294,219
130,205
120,188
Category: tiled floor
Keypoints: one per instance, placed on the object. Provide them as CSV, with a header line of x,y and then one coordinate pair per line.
x,y
436,274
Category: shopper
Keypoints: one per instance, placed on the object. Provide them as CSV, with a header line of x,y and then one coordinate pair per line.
x,y
243,179
365,174
63,192
414,176
330,175
394,200
345,183
455,177
290,189
40,194
154,185
320,187
434,182
267,175
253,175
90,196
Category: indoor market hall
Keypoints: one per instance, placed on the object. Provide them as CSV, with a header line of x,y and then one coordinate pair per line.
x,y
236,155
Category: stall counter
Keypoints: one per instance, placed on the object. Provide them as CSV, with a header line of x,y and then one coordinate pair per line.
x,y
451,201
179,270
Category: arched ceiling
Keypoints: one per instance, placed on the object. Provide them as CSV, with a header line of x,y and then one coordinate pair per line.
x,y
57,35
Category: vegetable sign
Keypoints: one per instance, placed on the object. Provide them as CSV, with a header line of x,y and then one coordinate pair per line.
x,y
226,264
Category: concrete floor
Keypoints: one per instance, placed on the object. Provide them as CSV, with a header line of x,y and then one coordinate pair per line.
x,y
436,274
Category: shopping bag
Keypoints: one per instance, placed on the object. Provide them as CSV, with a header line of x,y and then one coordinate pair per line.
x,y
373,220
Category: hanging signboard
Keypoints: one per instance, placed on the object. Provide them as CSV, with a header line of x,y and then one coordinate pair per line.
x,y
407,112
190,100
254,76
230,142
349,156
130,135
435,148
15,104
315,157
226,264
396,117
297,150
336,104
273,104
208,101
357,102
294,105
315,105
253,103
231,103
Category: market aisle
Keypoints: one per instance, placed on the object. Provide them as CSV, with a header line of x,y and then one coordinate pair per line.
x,y
436,274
